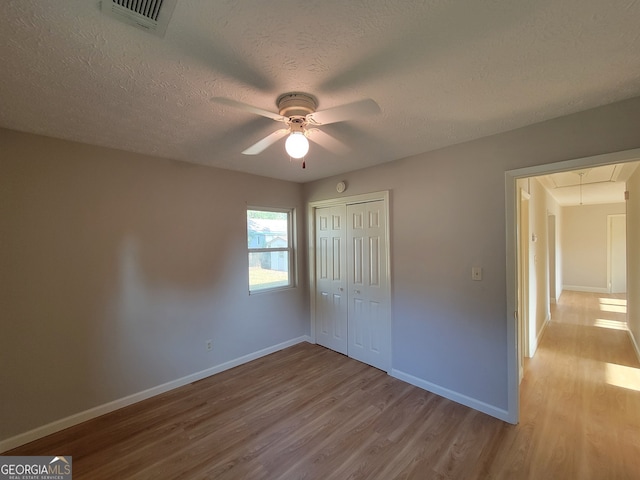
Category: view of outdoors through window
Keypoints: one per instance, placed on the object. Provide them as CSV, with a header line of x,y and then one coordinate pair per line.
x,y
269,234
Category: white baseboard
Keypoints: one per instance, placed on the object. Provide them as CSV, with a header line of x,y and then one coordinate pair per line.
x,y
635,344
483,407
578,288
534,347
543,329
80,417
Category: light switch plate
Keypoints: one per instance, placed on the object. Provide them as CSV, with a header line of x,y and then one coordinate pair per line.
x,y
476,273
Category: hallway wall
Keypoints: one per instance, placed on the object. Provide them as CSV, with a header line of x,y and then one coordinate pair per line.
x,y
541,205
633,258
584,246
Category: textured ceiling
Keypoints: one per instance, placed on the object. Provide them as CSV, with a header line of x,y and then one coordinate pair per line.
x,y
442,72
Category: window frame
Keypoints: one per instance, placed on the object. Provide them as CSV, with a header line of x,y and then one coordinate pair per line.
x,y
289,250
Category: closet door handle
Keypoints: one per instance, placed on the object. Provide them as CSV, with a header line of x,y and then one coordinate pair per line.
x,y
357,292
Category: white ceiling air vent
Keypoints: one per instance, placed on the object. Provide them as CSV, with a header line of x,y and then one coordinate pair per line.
x,y
150,15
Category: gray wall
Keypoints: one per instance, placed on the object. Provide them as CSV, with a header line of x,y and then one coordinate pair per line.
x,y
115,267
447,215
114,270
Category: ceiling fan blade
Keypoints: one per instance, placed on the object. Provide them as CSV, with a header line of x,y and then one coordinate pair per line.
x,y
327,141
267,141
248,108
344,112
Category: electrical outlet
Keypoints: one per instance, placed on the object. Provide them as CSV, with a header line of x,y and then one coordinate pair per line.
x,y
209,345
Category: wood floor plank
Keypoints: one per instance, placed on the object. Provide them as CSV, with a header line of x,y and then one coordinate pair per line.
x,y
309,413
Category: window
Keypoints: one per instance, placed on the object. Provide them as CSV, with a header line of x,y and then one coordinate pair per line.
x,y
270,242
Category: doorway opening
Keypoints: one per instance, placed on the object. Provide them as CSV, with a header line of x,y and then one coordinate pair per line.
x,y
517,298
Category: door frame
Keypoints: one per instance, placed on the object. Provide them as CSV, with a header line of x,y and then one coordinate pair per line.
x,y
311,252
511,200
523,253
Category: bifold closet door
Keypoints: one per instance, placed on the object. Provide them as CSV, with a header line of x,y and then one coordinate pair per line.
x,y
331,278
369,332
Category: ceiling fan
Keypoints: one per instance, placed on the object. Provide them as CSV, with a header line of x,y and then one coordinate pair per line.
x,y
297,111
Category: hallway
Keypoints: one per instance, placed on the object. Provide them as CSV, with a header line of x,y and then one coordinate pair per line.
x,y
580,397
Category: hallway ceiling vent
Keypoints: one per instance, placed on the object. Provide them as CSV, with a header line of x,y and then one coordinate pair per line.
x,y
150,15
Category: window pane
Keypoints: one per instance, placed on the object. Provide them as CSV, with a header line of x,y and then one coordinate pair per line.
x,y
268,270
267,229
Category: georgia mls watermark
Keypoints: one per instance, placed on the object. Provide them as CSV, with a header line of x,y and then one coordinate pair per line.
x,y
35,468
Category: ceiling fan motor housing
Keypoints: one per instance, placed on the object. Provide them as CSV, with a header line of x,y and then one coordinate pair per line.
x,y
296,104
298,112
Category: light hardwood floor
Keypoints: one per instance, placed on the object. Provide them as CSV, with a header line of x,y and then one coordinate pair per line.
x,y
307,412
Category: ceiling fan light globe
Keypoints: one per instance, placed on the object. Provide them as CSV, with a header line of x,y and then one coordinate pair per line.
x,y
297,145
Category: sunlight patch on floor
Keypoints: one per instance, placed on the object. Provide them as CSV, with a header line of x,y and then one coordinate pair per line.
x,y
613,308
621,376
614,301
612,324
613,305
